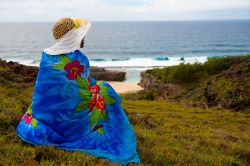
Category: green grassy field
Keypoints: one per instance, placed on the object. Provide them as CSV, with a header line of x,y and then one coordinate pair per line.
x,y
173,134
167,133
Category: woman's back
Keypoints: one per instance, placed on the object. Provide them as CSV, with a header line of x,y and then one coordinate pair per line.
x,y
71,110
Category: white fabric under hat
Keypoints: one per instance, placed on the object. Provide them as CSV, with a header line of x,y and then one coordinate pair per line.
x,y
69,42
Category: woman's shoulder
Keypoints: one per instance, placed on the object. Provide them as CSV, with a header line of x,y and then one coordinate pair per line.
x,y
81,55
77,54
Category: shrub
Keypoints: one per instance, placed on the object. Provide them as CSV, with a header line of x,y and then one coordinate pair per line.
x,y
196,72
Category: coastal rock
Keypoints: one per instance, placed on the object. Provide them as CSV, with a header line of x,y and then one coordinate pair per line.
x,y
100,73
15,73
149,82
229,89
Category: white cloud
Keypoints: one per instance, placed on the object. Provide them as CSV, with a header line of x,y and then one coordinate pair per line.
x,y
49,10
195,5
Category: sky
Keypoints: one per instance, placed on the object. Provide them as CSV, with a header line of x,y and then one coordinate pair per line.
x,y
124,10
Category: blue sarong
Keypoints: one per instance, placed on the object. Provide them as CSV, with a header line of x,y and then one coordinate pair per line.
x,y
71,110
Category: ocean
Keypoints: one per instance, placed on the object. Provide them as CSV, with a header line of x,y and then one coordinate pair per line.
x,y
133,46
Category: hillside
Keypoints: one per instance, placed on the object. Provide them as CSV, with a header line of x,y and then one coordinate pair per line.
x,y
168,133
219,82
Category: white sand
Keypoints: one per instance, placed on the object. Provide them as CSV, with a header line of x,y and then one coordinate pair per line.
x,y
124,87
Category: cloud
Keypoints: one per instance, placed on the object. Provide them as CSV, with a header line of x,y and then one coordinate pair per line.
x,y
126,2
200,5
49,10
196,9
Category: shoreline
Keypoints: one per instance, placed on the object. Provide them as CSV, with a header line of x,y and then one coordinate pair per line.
x,y
125,87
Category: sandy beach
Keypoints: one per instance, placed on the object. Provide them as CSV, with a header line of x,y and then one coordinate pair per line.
x,y
124,87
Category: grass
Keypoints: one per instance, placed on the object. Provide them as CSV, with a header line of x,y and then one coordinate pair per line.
x,y
168,133
174,134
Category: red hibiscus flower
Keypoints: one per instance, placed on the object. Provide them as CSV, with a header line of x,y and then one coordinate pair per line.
x,y
89,79
74,69
89,82
27,118
92,103
100,103
95,89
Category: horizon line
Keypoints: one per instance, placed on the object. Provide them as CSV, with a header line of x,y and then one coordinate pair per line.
x,y
178,20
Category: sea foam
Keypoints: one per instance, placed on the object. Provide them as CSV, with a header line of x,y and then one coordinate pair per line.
x,y
147,62
128,62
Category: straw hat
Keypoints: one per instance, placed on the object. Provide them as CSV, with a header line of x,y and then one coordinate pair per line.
x,y
62,26
68,33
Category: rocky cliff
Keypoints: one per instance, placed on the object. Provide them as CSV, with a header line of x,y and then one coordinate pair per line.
x,y
229,88
100,73
149,82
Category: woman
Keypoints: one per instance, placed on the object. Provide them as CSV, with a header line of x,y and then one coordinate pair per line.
x,y
71,110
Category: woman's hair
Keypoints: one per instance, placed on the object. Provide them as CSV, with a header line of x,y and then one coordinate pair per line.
x,y
62,26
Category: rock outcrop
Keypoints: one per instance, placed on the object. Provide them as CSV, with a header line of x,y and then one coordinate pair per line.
x,y
100,73
14,74
149,82
228,89
231,88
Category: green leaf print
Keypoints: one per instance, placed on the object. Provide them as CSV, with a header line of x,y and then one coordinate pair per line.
x,y
82,83
34,122
104,91
109,100
64,60
99,83
29,110
95,117
86,95
83,105
104,115
59,66
100,131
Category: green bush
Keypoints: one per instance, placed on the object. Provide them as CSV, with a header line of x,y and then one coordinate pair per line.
x,y
196,72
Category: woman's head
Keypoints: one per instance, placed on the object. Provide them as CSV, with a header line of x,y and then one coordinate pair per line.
x,y
69,34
